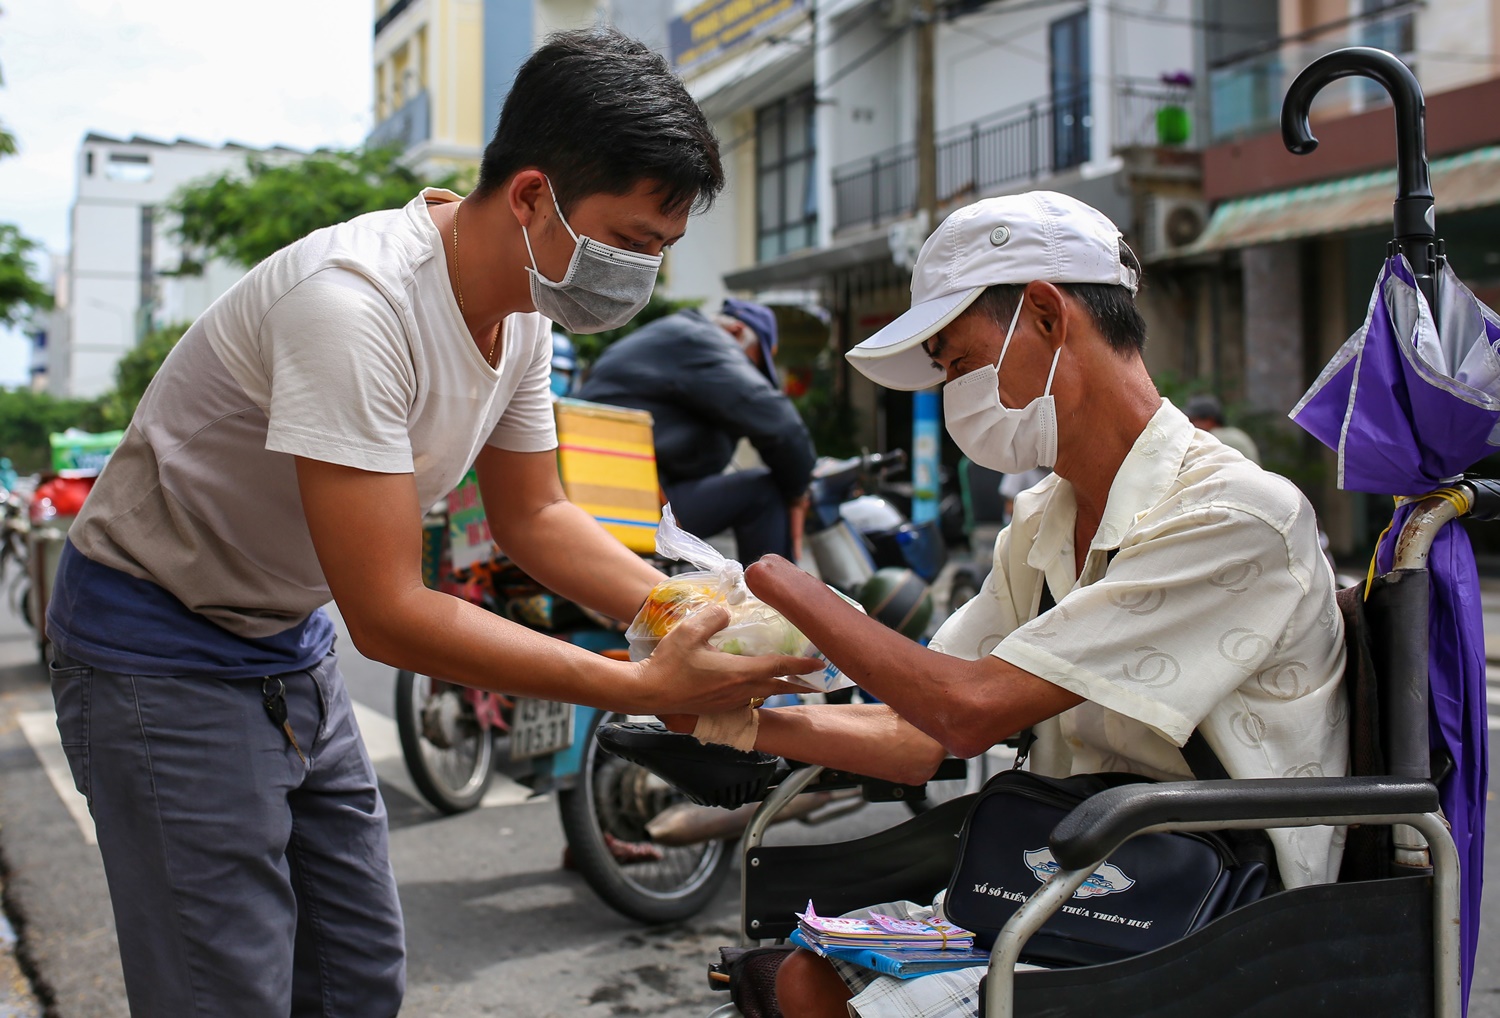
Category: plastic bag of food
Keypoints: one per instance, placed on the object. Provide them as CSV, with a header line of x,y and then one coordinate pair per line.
x,y
754,628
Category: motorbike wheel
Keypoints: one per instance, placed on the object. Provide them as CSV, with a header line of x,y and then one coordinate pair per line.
x,y
604,817
448,753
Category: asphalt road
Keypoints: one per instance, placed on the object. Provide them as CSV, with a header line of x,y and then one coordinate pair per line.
x,y
494,924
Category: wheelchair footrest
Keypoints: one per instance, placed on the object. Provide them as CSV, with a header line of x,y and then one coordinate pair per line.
x,y
710,775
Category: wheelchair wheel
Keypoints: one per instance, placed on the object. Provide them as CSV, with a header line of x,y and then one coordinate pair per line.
x,y
448,752
604,817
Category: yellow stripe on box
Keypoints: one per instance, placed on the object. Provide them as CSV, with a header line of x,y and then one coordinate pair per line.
x,y
631,501
607,471
607,463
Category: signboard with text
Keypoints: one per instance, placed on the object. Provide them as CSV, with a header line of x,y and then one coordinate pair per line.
x,y
714,28
468,531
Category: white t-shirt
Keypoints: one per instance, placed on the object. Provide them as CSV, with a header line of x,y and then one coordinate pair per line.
x,y
1215,613
346,347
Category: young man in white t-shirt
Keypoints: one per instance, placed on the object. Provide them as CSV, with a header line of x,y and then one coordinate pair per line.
x,y
1190,590
282,457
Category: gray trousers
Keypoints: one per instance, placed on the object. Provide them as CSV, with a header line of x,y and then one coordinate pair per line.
x,y
244,881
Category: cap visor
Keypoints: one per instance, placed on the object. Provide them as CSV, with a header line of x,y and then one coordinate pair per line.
x,y
894,357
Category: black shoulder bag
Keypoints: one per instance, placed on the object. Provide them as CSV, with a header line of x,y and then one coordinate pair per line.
x,y
1155,889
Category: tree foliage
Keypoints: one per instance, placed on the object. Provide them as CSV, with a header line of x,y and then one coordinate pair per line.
x,y
20,292
243,217
27,418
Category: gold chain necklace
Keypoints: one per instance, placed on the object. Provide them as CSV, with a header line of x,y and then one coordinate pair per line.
x,y
458,280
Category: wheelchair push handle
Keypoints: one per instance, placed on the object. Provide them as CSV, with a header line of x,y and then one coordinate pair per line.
x,y
1413,211
1485,494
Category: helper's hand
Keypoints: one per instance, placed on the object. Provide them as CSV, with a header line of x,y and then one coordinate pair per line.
x,y
686,676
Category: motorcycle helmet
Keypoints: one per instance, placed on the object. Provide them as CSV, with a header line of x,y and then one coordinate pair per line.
x,y
899,599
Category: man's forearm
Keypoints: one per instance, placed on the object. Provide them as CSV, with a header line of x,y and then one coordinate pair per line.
x,y
436,634
568,552
869,739
967,706
899,671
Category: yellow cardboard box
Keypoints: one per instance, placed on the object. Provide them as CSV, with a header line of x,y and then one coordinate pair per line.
x,y
608,465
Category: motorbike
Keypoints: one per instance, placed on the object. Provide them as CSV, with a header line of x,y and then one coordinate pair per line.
x,y
454,738
862,543
641,846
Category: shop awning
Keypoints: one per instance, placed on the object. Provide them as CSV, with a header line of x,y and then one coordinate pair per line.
x,y
812,267
1470,180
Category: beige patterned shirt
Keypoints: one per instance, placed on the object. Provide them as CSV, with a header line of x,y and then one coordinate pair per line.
x,y
1216,611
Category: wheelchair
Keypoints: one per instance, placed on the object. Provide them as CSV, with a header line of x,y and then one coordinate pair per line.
x,y
1383,940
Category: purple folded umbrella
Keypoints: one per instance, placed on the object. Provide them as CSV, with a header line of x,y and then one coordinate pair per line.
x,y
1410,403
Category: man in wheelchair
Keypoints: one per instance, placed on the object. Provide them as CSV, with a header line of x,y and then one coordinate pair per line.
x,y
1156,585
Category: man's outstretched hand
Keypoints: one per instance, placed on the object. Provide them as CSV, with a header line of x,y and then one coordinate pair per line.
x,y
686,676
870,654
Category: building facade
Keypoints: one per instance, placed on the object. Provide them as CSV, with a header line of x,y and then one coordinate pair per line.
x,y
442,68
816,106
117,281
1283,272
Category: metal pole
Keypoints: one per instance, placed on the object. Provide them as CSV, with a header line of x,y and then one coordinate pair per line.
x,y
974,158
927,197
755,832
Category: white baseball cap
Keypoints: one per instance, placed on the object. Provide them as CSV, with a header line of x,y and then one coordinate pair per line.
x,y
1013,239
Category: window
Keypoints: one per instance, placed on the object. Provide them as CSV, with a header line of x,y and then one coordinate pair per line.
x,y
786,190
128,166
1069,48
1395,31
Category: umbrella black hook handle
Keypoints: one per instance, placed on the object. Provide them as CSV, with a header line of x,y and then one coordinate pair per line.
x,y
1413,211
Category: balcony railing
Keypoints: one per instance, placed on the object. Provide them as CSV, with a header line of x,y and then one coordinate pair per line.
x,y
1019,144
407,127
1245,93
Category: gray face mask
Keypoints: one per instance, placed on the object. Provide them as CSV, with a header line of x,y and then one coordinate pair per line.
x,y
603,288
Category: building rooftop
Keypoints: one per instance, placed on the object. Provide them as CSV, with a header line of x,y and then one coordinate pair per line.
x,y
98,137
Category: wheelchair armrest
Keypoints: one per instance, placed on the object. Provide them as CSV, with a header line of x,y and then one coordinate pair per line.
x,y
1101,823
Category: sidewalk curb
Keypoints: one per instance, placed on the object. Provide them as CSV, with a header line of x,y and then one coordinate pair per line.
x,y
18,996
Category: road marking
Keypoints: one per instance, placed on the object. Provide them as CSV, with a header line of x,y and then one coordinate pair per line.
x,y
40,729
383,743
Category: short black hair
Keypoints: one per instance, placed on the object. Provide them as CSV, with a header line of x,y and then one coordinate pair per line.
x,y
598,112
1111,306
1205,405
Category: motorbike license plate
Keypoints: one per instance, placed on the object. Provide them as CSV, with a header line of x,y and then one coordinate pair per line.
x,y
539,727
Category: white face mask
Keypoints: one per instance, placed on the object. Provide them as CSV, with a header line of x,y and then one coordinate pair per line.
x,y
603,288
992,434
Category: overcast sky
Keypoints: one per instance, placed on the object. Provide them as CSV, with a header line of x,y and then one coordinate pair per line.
x,y
291,72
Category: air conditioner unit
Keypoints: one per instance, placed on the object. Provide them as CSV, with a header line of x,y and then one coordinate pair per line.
x,y
1172,223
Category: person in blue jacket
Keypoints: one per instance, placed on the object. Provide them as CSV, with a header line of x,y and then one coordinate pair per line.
x,y
708,382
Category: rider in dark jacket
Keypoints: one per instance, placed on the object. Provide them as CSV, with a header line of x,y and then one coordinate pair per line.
x,y
708,382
